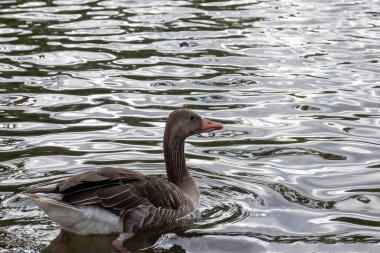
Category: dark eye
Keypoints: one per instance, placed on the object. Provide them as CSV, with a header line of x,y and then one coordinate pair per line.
x,y
192,118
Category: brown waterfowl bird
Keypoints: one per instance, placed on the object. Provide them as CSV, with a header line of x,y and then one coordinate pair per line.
x,y
111,200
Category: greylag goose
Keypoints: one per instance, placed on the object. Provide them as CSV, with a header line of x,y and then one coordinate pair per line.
x,y
113,200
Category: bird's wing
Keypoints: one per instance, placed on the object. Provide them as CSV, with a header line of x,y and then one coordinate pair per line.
x,y
117,190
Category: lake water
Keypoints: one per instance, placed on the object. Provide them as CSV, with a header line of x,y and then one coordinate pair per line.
x,y
86,84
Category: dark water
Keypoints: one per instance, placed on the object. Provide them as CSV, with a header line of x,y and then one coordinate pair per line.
x,y
88,83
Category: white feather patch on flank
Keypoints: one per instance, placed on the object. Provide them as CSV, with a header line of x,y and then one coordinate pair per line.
x,y
83,220
96,221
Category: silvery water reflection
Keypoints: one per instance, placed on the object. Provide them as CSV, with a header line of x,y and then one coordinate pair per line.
x,y
89,83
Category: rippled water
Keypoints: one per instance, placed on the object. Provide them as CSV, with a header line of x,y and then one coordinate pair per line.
x,y
88,83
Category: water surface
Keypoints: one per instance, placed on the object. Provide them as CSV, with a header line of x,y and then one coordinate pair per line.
x,y
86,84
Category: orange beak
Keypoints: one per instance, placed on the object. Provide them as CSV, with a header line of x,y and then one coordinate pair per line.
x,y
208,125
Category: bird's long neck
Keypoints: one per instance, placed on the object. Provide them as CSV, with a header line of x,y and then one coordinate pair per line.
x,y
174,148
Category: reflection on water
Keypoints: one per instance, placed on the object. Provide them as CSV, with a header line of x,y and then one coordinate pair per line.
x,y
89,83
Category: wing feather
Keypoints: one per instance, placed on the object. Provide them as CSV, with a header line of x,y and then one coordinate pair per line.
x,y
124,192
80,198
